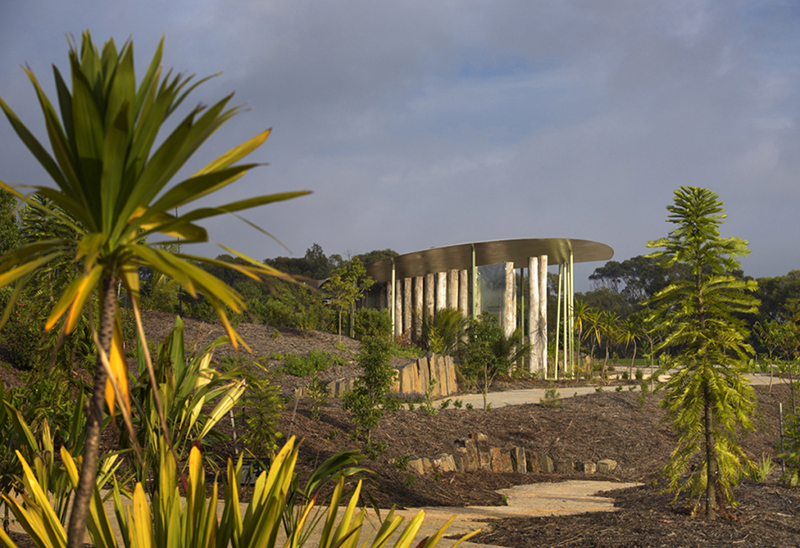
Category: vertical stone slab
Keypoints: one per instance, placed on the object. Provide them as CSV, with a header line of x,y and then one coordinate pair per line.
x,y
496,458
452,289
406,379
419,381
463,292
532,462
433,368
447,380
430,295
453,377
407,307
565,467
441,375
473,461
518,460
398,308
425,373
509,303
416,466
427,465
419,310
484,458
460,459
505,462
441,291
546,465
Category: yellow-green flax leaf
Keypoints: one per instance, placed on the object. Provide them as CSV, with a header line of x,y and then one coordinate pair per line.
x,y
75,296
118,369
140,525
410,531
198,186
235,154
49,519
232,207
14,274
90,246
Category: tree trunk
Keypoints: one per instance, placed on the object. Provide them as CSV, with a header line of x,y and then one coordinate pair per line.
x,y
88,473
711,462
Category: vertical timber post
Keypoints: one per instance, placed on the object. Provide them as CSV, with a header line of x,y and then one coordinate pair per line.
x,y
474,284
419,309
542,310
390,300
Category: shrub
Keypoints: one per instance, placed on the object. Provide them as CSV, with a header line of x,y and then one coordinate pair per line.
x,y
442,334
367,401
316,361
260,412
22,335
372,323
317,391
552,398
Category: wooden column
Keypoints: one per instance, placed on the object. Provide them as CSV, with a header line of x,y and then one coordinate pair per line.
x,y
419,303
407,307
509,301
441,291
398,308
543,312
452,289
532,335
463,292
430,295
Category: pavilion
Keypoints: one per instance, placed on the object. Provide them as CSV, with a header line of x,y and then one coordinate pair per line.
x,y
473,277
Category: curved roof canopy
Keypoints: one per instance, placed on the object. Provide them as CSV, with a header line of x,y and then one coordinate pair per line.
x,y
440,259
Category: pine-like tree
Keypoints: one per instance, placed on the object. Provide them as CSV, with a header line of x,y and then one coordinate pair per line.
x,y
708,398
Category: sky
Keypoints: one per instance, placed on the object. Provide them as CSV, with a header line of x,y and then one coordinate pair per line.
x,y
420,124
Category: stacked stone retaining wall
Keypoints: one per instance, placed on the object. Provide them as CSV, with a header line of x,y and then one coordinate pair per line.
x,y
415,377
475,453
412,378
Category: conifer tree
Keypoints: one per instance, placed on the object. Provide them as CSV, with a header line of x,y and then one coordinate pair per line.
x,y
708,398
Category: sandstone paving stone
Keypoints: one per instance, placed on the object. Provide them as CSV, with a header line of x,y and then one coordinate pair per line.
x,y
606,466
585,467
564,467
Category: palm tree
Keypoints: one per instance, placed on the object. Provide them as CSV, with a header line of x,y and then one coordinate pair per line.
x,y
610,330
111,183
580,316
594,332
630,332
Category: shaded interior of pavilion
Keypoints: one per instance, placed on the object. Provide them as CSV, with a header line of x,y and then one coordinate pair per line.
x,y
507,278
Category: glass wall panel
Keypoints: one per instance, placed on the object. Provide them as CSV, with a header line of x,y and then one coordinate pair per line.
x,y
492,284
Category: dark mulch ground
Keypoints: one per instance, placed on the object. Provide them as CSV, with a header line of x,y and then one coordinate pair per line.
x,y
625,426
